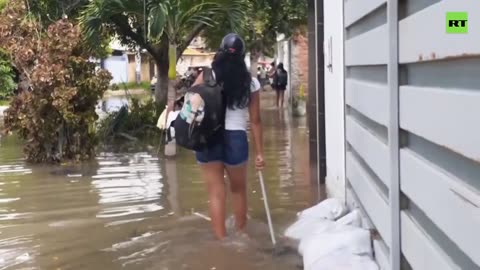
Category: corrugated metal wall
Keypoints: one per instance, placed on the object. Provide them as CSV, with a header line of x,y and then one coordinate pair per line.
x,y
412,95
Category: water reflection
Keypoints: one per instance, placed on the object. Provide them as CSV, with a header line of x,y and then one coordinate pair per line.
x,y
129,187
111,104
114,103
133,210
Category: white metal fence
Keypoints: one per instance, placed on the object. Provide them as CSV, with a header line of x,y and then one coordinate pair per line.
x,y
412,95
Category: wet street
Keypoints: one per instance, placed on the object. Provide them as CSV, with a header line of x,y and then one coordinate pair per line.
x,y
134,210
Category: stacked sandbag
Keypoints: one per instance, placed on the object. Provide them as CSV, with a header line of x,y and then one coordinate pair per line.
x,y
330,240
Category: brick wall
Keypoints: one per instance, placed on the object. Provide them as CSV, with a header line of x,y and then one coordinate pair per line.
x,y
299,73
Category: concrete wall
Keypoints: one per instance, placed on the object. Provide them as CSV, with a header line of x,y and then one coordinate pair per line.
x,y
187,61
334,98
131,68
146,73
117,65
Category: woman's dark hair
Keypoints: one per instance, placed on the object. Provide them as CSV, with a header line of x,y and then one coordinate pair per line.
x,y
231,71
280,66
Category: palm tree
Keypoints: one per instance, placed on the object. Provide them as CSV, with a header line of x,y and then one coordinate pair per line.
x,y
162,27
260,28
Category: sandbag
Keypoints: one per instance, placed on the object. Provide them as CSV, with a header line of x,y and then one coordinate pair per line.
x,y
305,226
330,209
353,219
347,240
343,261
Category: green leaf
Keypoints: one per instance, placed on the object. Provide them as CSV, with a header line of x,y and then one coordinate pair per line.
x,y
158,17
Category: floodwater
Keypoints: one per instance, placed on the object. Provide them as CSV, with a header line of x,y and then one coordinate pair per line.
x,y
134,210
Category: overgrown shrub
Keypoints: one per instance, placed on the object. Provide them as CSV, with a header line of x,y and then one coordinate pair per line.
x,y
7,85
134,122
56,118
134,85
114,87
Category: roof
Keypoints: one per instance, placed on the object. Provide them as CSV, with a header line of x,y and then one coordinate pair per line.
x,y
115,44
195,52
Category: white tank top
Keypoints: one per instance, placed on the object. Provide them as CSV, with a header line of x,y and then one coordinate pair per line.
x,y
237,119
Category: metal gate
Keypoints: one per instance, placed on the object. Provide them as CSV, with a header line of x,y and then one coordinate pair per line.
x,y
412,123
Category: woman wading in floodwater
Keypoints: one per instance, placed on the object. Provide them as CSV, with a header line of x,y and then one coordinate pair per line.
x,y
242,97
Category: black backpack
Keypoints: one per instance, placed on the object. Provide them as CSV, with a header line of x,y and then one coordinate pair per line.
x,y
282,79
202,118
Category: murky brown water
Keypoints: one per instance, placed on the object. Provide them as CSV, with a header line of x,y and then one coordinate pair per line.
x,y
133,210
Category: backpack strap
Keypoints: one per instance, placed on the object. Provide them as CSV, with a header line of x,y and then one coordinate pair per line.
x,y
208,77
224,104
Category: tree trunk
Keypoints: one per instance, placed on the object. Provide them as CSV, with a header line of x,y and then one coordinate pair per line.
x,y
170,148
161,59
161,88
172,73
254,63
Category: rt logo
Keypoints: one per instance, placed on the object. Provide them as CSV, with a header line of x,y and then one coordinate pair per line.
x,y
457,22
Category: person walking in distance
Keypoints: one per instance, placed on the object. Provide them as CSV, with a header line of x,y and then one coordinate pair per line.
x,y
271,74
230,154
262,76
280,82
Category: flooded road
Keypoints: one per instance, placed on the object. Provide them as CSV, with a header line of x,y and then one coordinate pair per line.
x,y
134,210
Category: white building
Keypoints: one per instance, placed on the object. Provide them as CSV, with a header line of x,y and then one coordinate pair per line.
x,y
127,65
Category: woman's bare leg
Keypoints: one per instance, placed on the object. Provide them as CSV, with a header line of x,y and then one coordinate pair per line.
x,y
238,186
282,98
278,98
213,175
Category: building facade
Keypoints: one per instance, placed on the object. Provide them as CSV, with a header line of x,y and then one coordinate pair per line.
x,y
127,66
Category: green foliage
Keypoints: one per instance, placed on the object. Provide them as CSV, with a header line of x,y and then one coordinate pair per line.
x,y
141,116
7,85
130,86
263,21
114,87
179,21
57,118
3,4
49,11
132,122
157,25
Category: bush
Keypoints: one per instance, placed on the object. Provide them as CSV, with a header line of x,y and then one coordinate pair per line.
x,y
130,86
134,122
57,118
114,87
7,85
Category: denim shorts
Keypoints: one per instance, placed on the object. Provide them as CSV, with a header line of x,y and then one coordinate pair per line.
x,y
232,151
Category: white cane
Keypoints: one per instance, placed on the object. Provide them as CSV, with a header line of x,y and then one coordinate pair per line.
x,y
267,208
